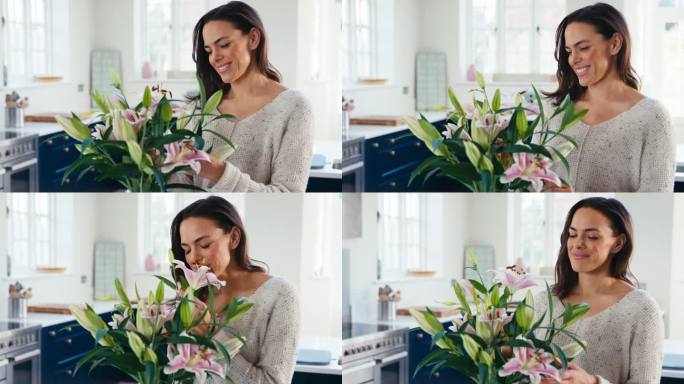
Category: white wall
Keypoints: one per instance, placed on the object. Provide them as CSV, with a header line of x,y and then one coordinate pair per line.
x,y
677,272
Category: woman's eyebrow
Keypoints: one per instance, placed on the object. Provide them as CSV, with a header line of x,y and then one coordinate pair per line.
x,y
577,43
217,40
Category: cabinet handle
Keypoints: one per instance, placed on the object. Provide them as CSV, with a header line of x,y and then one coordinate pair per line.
x,y
392,153
67,181
419,335
48,143
68,329
435,375
66,137
417,144
393,141
66,150
375,145
393,184
68,373
52,333
67,341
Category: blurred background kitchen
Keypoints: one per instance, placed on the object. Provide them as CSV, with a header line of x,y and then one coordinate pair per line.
x,y
399,57
55,52
69,248
413,246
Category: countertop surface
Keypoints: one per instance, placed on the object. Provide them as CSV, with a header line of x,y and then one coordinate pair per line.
x,y
50,319
330,344
674,347
373,131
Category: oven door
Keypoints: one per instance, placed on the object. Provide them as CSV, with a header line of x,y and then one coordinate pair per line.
x,y
24,367
22,176
352,178
392,368
362,373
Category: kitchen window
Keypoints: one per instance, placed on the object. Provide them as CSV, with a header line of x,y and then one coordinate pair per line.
x,y
27,41
155,214
367,40
510,38
37,234
668,41
166,28
537,221
327,243
402,227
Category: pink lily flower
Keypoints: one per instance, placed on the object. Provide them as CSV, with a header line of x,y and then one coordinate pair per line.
x,y
458,322
200,278
136,120
181,154
532,168
193,359
513,279
118,319
530,363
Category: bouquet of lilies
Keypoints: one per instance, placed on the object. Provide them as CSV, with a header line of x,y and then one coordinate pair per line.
x,y
496,339
141,146
488,147
161,341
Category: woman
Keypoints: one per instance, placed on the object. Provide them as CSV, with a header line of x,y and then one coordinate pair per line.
x,y
210,232
625,142
273,130
624,327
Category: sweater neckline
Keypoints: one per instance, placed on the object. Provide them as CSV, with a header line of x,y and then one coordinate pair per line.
x,y
267,105
610,307
261,286
616,117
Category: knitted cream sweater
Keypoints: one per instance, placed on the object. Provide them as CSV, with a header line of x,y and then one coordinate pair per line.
x,y
632,152
271,329
624,341
274,148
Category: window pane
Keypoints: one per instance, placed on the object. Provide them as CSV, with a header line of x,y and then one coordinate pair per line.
x,y
16,11
159,33
38,11
548,15
484,35
672,3
517,36
532,230
673,71
190,12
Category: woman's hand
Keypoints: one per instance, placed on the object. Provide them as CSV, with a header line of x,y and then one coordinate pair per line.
x,y
577,375
213,169
202,328
548,187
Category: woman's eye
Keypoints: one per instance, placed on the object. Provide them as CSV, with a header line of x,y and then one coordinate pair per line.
x,y
572,235
206,246
225,45
584,48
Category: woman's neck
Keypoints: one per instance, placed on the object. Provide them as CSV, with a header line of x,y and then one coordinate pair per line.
x,y
608,89
250,84
592,283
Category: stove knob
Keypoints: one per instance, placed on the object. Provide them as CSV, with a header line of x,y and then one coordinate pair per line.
x,y
2,345
346,353
9,344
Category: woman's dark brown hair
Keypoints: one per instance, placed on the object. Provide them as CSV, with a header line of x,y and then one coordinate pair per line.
x,y
244,18
620,223
226,217
607,21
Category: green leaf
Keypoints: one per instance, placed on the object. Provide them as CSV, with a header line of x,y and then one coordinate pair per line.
x,y
496,101
186,313
521,123
147,98
135,151
122,292
480,80
166,281
213,102
166,111
160,292
456,103
478,286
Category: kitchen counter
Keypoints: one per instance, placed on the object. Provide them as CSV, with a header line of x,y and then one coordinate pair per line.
x,y
49,319
373,131
403,321
330,344
332,150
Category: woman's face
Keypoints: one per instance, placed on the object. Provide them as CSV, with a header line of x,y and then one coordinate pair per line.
x,y
590,54
229,50
205,243
591,241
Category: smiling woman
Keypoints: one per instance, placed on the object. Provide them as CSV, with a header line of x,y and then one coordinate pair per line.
x,y
625,143
272,129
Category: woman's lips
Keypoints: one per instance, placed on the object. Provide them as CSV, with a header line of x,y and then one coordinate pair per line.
x,y
221,69
579,256
582,71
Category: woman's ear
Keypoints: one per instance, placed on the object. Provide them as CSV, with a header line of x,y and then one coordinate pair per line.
x,y
616,43
254,38
619,243
235,236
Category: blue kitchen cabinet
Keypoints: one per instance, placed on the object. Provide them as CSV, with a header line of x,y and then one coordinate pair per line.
x,y
319,184
55,153
62,345
315,378
419,347
670,380
390,159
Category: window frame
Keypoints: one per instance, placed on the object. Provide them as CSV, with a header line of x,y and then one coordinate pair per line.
x,y
665,15
500,67
175,29
10,80
53,222
402,271
351,54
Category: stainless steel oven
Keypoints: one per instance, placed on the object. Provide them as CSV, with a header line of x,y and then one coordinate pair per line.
x,y
19,353
352,164
18,162
374,353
